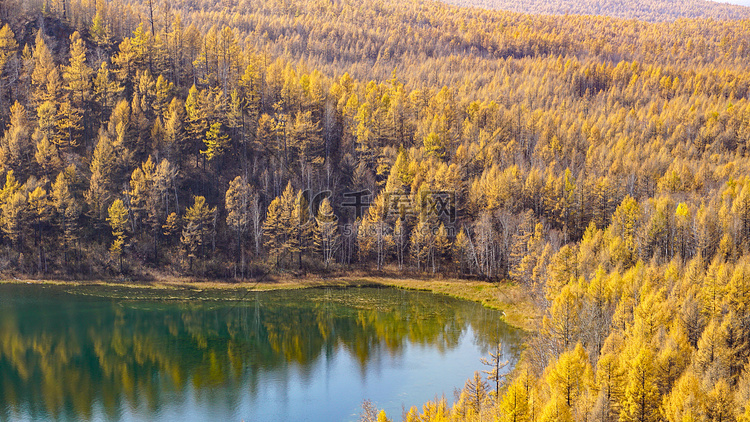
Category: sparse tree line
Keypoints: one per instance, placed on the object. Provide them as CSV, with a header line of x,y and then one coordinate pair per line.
x,y
610,181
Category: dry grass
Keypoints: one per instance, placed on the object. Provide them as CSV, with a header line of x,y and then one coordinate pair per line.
x,y
506,297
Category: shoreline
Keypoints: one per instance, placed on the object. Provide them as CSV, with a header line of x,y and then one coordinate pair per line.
x,y
506,297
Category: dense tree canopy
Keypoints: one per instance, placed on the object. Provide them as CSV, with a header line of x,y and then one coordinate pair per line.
x,y
651,10
602,164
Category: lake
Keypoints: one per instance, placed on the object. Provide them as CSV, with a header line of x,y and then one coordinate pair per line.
x,y
297,355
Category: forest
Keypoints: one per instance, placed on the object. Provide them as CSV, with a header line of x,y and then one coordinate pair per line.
x,y
652,10
599,163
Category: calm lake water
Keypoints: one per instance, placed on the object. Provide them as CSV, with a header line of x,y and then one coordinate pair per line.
x,y
307,355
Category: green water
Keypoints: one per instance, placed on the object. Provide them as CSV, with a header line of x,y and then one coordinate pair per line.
x,y
272,356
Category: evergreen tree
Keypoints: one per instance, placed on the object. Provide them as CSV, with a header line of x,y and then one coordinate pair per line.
x,y
44,68
105,92
15,210
720,405
196,119
279,227
47,157
303,228
216,142
199,226
422,243
237,200
515,406
40,211
177,144
8,52
141,193
686,399
67,210
461,251
306,139
102,169
273,229
15,149
118,221
171,226
8,47
433,145
563,324
475,390
442,247
77,75
99,30
571,376
556,410
641,400
326,232
68,126
374,237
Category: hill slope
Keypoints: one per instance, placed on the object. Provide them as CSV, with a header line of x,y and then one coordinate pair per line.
x,y
602,164
648,10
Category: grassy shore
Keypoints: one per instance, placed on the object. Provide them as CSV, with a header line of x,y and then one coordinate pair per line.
x,y
506,297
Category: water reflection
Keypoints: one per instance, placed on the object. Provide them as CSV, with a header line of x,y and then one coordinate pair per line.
x,y
71,357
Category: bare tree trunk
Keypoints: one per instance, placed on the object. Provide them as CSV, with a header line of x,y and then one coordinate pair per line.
x,y
151,15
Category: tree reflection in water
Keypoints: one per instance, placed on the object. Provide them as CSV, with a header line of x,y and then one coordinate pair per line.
x,y
64,355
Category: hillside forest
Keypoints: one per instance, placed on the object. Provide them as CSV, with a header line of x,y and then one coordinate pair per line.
x,y
600,164
652,11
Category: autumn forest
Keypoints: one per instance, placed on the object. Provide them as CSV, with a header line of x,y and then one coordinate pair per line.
x,y
601,164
